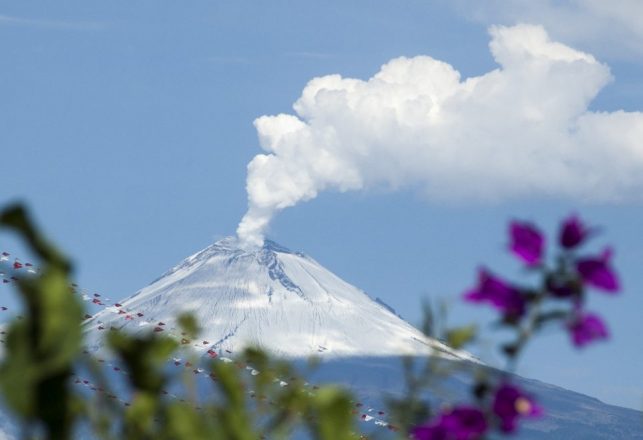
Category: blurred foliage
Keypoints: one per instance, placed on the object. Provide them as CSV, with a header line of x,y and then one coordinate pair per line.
x,y
44,350
41,348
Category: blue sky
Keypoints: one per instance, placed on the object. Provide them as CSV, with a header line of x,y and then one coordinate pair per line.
x,y
127,128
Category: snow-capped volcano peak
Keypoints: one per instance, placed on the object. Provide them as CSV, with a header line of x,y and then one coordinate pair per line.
x,y
271,297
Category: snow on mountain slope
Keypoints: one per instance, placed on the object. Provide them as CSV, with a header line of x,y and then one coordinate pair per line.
x,y
271,297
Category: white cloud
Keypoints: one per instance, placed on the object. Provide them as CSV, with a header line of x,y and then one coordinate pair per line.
x,y
610,28
520,130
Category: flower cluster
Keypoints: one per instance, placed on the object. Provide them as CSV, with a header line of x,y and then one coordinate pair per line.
x,y
567,280
509,404
560,297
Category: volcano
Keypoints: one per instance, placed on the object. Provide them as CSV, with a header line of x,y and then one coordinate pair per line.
x,y
272,298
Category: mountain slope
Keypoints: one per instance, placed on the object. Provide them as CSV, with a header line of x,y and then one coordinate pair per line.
x,y
271,297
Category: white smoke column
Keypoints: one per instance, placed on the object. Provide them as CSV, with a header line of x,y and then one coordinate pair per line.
x,y
523,129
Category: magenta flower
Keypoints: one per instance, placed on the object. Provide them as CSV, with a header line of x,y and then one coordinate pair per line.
x,y
587,328
461,423
597,272
510,403
499,293
430,432
526,242
573,232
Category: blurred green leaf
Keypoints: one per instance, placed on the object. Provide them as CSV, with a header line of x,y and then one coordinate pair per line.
x,y
188,325
41,349
139,417
143,357
332,420
459,337
233,415
184,422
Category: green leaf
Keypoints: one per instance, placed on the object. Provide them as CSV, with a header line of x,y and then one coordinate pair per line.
x,y
332,410
140,414
459,337
144,358
184,422
41,349
188,324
